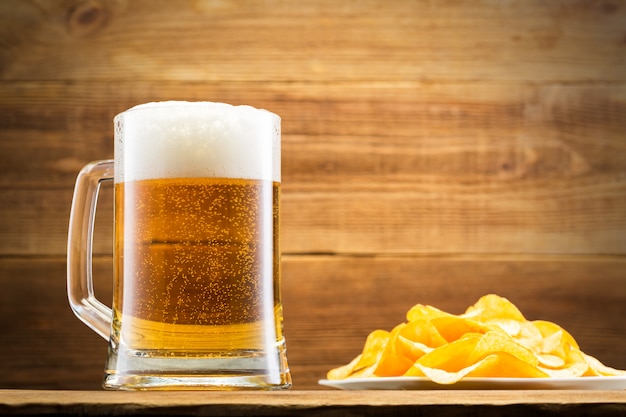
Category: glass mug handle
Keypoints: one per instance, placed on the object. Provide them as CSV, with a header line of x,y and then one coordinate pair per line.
x,y
80,292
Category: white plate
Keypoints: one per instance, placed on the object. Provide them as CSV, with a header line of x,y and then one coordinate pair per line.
x,y
421,383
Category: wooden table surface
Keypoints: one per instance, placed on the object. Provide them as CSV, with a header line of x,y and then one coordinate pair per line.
x,y
315,403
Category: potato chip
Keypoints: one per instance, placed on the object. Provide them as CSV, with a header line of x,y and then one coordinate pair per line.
x,y
496,365
374,346
392,362
420,311
410,349
452,328
491,339
492,306
505,365
499,342
530,337
364,363
508,326
550,361
344,371
423,331
451,357
597,368
573,370
552,330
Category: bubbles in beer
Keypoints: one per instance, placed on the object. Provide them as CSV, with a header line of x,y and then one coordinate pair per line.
x,y
200,259
197,251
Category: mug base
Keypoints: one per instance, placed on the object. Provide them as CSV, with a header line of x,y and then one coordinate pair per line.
x,y
194,382
154,370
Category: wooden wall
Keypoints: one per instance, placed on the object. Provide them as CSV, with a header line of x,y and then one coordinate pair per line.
x,y
433,152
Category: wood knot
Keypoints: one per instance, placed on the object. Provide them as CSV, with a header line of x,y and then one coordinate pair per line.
x,y
87,17
609,7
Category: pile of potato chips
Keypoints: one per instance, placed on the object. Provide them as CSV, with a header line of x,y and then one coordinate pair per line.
x,y
491,339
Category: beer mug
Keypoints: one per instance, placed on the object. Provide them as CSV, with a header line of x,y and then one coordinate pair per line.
x,y
196,301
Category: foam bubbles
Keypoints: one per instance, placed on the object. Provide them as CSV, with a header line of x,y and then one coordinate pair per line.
x,y
175,139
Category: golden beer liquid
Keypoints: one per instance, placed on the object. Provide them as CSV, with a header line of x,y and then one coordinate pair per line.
x,y
197,266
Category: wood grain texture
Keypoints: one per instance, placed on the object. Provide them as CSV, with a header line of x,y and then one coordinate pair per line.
x,y
304,403
319,41
331,304
417,168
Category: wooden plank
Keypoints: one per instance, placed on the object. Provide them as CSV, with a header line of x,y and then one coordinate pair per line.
x,y
46,346
331,303
385,168
306,403
576,218
36,221
373,40
409,133
560,220
444,118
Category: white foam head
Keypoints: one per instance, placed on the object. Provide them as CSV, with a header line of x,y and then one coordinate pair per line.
x,y
177,139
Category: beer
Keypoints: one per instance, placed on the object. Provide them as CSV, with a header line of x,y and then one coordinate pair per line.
x,y
196,300
192,259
